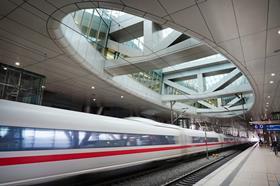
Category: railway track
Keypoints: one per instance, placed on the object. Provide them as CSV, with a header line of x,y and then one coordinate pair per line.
x,y
181,172
190,178
173,175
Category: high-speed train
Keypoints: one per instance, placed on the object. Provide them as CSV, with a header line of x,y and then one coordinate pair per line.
x,y
40,144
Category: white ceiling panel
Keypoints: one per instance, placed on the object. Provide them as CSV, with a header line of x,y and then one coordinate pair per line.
x,y
69,8
251,15
19,41
151,6
61,3
30,21
133,11
20,52
51,76
27,34
234,48
176,5
273,42
254,46
274,14
10,59
17,2
273,65
85,5
221,23
192,20
44,6
256,67
34,11
6,7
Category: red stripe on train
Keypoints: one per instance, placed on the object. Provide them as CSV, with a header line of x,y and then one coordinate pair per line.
x,y
84,155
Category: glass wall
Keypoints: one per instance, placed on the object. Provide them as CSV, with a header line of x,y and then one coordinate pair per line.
x,y
189,83
20,85
137,43
95,25
171,90
152,79
210,81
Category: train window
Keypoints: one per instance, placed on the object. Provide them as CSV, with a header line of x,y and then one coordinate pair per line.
x,y
20,138
196,139
95,139
28,136
43,138
228,139
10,138
63,139
211,139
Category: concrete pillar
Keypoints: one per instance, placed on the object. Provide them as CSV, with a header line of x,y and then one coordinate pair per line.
x,y
149,38
219,100
100,110
87,107
200,82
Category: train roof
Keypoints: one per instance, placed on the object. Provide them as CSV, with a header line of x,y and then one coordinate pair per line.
x,y
28,115
152,122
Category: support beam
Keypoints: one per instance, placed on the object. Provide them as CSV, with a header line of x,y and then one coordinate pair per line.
x,y
206,104
149,28
200,82
232,76
216,94
223,110
216,69
232,102
179,87
196,64
219,100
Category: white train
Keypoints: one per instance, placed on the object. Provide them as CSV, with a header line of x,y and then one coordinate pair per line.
x,y
39,144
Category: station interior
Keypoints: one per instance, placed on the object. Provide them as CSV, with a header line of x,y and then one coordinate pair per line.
x,y
115,92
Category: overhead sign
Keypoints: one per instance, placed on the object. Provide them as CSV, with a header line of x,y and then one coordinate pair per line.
x,y
273,127
268,127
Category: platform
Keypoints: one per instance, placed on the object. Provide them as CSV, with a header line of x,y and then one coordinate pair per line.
x,y
257,166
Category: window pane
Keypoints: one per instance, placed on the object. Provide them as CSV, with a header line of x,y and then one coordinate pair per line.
x,y
10,138
62,140
44,138
28,136
18,138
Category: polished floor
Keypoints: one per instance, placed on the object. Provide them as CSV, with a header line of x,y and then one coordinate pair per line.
x,y
262,168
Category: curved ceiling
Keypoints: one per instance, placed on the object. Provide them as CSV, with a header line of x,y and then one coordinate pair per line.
x,y
246,32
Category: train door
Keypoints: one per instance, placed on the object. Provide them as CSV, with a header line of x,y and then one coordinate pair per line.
x,y
186,141
221,140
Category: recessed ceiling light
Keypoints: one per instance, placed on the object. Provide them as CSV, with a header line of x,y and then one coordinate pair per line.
x,y
272,74
92,87
5,68
17,63
43,86
267,103
271,82
121,97
278,32
268,97
94,99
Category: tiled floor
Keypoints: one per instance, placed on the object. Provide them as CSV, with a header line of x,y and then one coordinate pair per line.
x,y
262,168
